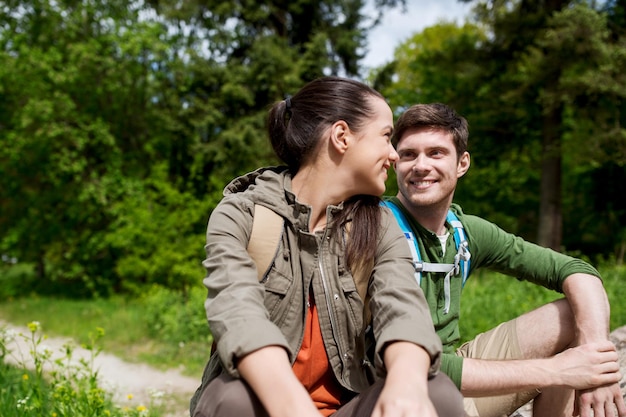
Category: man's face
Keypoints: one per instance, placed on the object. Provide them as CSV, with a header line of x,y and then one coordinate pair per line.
x,y
428,168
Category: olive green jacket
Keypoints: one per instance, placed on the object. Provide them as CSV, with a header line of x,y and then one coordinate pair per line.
x,y
245,314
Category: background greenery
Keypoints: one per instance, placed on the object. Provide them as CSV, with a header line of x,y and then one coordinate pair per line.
x,y
122,121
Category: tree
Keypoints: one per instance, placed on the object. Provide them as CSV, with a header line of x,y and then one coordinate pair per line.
x,y
242,57
76,105
122,121
543,93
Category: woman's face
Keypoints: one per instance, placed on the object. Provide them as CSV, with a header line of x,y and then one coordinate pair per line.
x,y
372,154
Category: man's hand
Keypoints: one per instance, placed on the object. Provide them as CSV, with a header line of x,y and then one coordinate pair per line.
x,y
587,366
604,401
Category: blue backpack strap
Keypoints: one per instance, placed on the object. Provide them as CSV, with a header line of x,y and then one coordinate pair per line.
x,y
408,234
461,259
462,246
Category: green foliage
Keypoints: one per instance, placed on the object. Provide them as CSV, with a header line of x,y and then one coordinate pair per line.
x,y
169,316
157,237
121,122
74,132
433,66
16,280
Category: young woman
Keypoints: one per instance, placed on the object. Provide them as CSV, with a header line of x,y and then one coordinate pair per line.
x,y
294,343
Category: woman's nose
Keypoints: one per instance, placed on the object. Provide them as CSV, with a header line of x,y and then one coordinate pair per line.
x,y
393,155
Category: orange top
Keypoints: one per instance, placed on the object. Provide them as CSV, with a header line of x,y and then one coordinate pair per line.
x,y
312,367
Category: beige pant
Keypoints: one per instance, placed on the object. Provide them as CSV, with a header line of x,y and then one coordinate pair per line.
x,y
501,342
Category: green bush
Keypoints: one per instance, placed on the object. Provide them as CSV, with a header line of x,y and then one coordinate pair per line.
x,y
171,316
17,280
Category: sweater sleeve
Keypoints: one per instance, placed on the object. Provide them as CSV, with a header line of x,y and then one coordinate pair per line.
x,y
452,365
493,248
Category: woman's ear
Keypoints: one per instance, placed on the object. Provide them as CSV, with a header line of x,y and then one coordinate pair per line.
x,y
340,136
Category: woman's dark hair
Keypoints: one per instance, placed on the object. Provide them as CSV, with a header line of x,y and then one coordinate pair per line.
x,y
296,124
295,127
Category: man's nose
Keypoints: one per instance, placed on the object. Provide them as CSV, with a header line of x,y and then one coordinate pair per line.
x,y
420,163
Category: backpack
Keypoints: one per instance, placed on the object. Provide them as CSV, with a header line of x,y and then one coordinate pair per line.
x,y
461,263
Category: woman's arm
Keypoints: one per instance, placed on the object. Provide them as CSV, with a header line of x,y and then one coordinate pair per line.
x,y
268,372
405,392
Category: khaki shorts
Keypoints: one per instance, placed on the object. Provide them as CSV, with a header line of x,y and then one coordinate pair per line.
x,y
502,342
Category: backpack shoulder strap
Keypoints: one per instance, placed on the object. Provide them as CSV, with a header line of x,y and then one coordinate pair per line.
x,y
267,229
408,234
462,245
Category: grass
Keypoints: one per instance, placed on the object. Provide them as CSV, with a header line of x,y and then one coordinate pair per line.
x,y
164,331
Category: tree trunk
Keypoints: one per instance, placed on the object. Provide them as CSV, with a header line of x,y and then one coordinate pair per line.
x,y
550,217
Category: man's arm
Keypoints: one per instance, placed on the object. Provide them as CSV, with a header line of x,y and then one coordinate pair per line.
x,y
590,306
583,367
591,366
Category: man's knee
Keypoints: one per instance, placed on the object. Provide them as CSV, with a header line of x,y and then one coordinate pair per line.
x,y
445,396
547,330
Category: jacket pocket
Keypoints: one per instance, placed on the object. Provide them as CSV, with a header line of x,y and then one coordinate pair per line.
x,y
354,302
277,286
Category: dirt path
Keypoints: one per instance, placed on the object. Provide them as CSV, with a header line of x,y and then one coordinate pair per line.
x,y
139,381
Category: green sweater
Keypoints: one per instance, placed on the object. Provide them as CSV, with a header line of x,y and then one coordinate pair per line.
x,y
492,248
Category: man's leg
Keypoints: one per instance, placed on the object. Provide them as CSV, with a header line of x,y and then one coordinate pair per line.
x,y
540,333
544,332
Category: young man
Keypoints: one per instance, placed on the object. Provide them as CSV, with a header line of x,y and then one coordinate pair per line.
x,y
559,354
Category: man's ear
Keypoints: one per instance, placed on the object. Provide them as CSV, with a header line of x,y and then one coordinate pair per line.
x,y
340,136
463,165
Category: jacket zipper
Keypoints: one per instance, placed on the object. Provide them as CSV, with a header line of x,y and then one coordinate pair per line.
x,y
328,297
